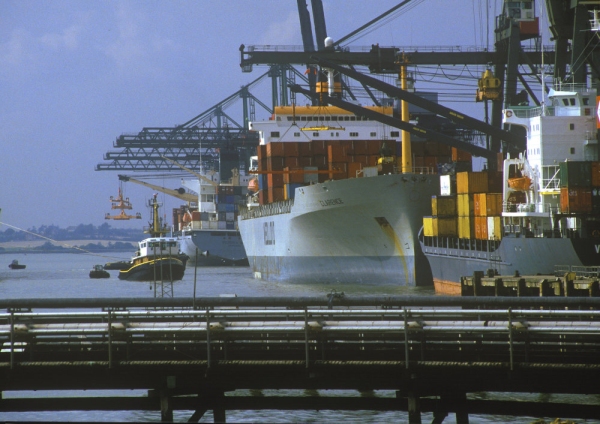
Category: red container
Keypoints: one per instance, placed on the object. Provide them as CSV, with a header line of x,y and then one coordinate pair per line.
x,y
275,148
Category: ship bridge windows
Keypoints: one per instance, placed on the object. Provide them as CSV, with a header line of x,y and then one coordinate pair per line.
x,y
373,134
275,134
353,134
571,127
315,134
296,134
395,134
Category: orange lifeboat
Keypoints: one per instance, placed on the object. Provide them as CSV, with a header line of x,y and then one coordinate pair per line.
x,y
253,185
520,184
187,217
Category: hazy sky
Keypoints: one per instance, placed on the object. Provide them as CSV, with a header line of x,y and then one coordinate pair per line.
x,y
74,75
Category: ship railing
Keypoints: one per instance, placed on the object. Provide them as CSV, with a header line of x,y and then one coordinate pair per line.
x,y
270,209
578,87
528,207
526,112
579,270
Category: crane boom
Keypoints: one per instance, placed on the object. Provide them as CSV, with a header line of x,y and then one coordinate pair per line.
x,y
202,177
179,193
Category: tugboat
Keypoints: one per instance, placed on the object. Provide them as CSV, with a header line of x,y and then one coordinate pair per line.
x,y
99,272
158,257
16,265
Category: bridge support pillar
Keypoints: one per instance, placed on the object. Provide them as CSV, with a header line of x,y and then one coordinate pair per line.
x,y
166,407
414,409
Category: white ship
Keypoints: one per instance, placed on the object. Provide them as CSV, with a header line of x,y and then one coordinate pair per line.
x,y
331,205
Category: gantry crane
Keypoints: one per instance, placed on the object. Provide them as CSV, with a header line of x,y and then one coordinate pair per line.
x,y
122,204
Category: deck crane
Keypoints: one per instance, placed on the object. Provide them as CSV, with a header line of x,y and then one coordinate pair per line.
x,y
122,204
179,193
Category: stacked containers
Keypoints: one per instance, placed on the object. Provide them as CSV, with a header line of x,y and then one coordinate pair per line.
x,y
576,187
479,205
444,222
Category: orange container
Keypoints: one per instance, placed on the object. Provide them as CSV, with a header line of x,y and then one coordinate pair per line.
x,y
291,148
275,163
274,180
487,204
341,171
481,230
460,155
576,199
305,149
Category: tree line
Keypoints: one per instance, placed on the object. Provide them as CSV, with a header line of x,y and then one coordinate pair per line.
x,y
79,232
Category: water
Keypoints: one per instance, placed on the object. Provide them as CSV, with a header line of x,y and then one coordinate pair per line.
x,y
62,275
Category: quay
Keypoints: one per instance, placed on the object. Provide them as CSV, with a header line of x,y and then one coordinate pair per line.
x,y
431,351
569,284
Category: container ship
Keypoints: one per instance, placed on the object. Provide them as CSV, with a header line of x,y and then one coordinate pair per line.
x,y
539,215
330,204
208,230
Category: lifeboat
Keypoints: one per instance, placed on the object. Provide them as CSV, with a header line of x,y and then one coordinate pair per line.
x,y
520,183
253,185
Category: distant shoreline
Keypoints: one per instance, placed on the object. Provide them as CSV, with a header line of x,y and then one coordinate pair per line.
x,y
64,246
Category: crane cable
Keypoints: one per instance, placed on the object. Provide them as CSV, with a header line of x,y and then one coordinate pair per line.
x,y
58,242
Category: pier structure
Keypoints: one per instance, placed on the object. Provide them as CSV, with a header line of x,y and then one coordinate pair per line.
x,y
189,354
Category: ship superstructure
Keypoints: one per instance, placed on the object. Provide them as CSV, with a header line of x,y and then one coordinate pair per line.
x,y
209,229
547,207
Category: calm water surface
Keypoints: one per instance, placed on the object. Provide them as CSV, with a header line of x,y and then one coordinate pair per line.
x,y
67,276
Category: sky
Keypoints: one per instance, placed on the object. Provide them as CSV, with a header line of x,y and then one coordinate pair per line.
x,y
76,74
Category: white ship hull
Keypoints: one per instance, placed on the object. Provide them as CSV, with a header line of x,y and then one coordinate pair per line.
x,y
358,230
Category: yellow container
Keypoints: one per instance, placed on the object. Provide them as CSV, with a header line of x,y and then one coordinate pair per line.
x,y
466,227
487,204
494,227
428,226
471,182
443,205
465,204
446,226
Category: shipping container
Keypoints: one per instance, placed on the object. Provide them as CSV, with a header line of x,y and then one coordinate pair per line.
x,y
466,227
487,204
354,169
471,182
428,226
305,149
319,147
447,185
275,148
575,174
495,182
443,205
275,180
230,225
465,204
338,171
275,194
576,199
460,155
494,227
446,226
310,177
481,230
595,166
275,163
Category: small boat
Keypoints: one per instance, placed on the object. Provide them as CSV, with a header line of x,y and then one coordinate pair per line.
x,y
158,258
16,265
99,272
118,265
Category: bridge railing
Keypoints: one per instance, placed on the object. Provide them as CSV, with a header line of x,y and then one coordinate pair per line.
x,y
220,334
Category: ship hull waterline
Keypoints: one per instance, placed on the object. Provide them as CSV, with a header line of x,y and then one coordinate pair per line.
x,y
527,256
165,269
357,231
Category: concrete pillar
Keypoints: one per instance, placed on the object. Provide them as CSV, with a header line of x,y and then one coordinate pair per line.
x,y
166,407
414,410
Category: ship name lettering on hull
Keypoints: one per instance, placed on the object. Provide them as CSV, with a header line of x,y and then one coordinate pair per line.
x,y
331,202
598,248
269,232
